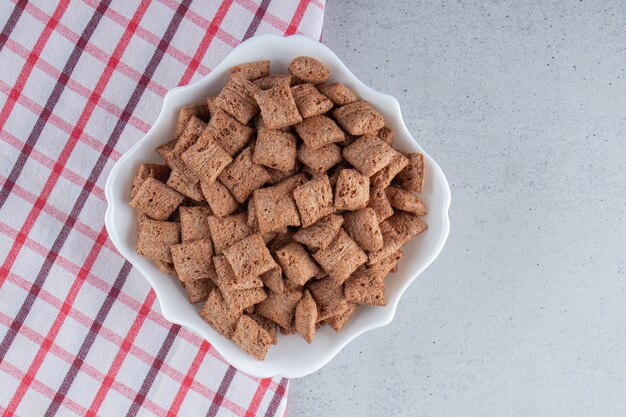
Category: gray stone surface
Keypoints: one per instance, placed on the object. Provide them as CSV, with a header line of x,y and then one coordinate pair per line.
x,y
523,104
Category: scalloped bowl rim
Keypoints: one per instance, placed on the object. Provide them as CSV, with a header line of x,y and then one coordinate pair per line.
x,y
292,357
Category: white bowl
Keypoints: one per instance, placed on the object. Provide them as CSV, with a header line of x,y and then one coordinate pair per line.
x,y
292,357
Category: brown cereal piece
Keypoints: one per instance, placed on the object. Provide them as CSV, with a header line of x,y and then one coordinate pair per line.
x,y
296,263
231,135
338,93
252,337
236,99
156,200
218,197
309,69
190,136
369,154
239,300
320,160
321,233
248,298
318,131
306,317
279,241
226,279
199,290
277,107
206,158
173,160
405,200
314,200
359,118
272,81
269,326
185,187
412,177
275,149
386,135
259,124
216,312
309,101
384,177
275,209
391,244
201,111
243,176
194,223
192,260
165,267
180,183
247,85
365,287
280,308
380,203
388,265
397,231
194,127
249,257
252,70
159,172
338,321
228,230
273,279
238,295
341,258
362,226
366,291
329,298
352,191
166,148
406,225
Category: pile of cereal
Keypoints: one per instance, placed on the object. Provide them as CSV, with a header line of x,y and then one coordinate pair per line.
x,y
281,204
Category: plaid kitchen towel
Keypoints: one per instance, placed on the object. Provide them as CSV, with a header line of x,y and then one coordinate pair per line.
x,y
80,82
